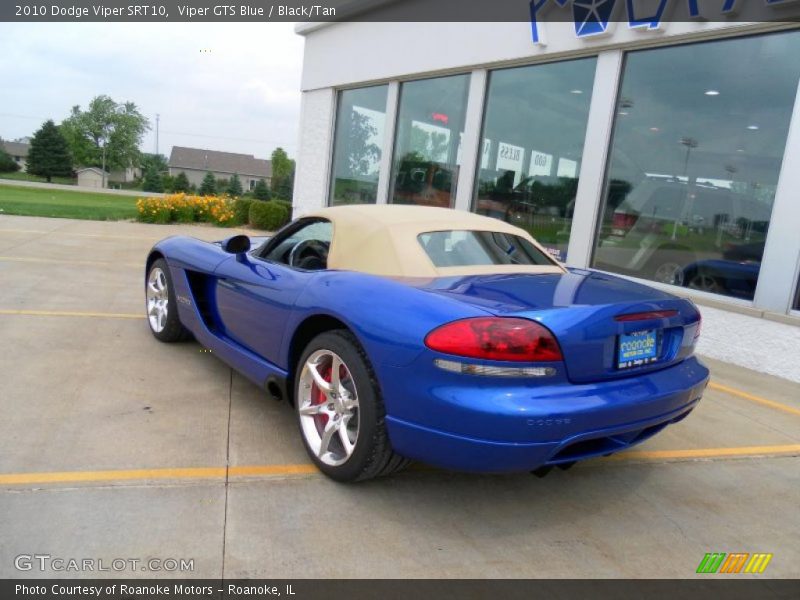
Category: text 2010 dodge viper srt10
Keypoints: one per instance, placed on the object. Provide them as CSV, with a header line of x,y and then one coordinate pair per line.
x,y
403,333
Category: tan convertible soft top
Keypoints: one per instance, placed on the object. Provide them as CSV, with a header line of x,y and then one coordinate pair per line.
x,y
381,239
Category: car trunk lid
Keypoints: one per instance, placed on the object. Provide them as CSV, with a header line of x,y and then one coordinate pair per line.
x,y
590,314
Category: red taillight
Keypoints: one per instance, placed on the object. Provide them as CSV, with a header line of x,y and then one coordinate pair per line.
x,y
645,316
624,221
496,338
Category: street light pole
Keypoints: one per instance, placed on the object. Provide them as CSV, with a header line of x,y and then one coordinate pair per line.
x,y
690,143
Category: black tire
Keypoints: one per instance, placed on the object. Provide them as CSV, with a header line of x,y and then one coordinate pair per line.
x,y
372,454
173,330
667,264
706,283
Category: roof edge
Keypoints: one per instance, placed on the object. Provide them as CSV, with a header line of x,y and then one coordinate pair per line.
x,y
207,170
345,12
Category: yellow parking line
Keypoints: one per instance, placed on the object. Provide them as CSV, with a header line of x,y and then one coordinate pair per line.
x,y
152,239
753,398
743,451
69,313
69,262
25,231
271,470
192,473
150,474
99,476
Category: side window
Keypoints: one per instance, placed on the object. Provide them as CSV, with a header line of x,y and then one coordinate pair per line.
x,y
304,246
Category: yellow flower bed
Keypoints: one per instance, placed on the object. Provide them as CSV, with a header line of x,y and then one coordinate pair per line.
x,y
185,208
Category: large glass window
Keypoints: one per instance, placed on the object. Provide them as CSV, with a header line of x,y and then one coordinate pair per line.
x,y
358,141
427,152
698,142
796,305
533,136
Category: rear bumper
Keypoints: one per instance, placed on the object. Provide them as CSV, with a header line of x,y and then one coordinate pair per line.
x,y
530,428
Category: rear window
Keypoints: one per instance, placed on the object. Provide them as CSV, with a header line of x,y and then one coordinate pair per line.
x,y
472,248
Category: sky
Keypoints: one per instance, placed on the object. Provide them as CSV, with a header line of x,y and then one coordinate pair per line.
x,y
230,87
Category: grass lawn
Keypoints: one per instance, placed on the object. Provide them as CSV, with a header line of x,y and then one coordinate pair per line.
x,y
39,202
19,175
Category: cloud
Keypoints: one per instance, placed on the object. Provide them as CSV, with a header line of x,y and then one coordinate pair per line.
x,y
232,87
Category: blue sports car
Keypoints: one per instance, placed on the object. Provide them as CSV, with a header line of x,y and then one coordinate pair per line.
x,y
401,332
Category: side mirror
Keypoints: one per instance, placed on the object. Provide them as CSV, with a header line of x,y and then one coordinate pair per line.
x,y
238,244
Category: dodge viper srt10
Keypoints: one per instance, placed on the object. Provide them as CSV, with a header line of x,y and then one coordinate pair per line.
x,y
402,333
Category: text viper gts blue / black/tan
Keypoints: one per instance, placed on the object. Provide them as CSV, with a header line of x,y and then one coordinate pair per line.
x,y
404,333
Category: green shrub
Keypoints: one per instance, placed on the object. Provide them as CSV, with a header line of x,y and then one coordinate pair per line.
x,y
241,210
185,214
159,214
261,191
285,203
269,216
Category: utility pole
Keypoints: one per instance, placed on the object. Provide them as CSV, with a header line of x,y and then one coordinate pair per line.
x,y
158,116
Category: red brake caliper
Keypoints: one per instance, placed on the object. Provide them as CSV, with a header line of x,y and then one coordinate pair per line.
x,y
318,397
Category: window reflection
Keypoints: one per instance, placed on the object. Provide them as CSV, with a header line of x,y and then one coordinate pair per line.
x,y
533,139
796,305
430,127
357,146
698,143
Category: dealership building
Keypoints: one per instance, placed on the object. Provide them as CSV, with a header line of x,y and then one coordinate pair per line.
x,y
665,150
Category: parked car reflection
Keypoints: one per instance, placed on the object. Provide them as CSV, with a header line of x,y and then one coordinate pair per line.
x,y
735,275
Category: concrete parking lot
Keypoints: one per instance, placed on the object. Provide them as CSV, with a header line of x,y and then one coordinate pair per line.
x,y
113,445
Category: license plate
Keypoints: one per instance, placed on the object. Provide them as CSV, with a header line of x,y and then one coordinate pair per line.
x,y
638,348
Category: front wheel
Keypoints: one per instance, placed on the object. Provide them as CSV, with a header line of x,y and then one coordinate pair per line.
x,y
162,314
340,411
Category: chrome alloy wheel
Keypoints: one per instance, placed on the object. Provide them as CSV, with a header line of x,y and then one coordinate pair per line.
x,y
328,407
157,293
669,272
705,283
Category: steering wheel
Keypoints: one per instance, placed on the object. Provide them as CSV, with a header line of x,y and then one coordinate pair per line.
x,y
309,255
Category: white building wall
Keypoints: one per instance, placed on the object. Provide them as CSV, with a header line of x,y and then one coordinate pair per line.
x,y
346,54
317,113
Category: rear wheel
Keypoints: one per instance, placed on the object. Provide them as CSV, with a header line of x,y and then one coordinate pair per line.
x,y
340,411
162,314
705,283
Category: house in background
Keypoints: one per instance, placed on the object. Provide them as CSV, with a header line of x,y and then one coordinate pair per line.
x,y
19,152
124,175
196,162
91,177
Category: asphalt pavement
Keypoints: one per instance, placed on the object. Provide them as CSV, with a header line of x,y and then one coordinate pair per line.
x,y
114,446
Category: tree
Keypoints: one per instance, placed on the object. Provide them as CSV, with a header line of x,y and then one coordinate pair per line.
x,y
363,154
261,191
107,134
157,161
152,181
234,186
180,183
49,154
209,185
167,182
7,164
285,189
282,168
